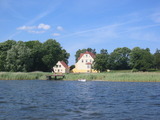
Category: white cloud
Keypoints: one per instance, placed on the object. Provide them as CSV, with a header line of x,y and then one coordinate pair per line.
x,y
26,27
56,34
43,26
60,28
36,32
6,4
40,26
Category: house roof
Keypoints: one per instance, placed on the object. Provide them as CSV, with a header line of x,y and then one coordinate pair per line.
x,y
64,64
90,53
88,63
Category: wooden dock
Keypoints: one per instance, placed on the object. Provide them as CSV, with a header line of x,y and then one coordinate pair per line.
x,y
55,77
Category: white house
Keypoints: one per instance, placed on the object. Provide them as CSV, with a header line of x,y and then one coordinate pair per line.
x,y
84,63
61,67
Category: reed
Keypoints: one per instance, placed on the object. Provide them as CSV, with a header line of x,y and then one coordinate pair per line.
x,y
110,76
23,75
118,77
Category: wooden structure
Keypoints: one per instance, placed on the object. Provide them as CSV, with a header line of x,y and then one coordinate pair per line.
x,y
55,77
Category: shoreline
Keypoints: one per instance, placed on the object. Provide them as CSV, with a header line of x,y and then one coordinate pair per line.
x,y
88,80
109,76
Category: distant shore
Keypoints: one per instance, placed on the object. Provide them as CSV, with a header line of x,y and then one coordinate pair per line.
x,y
109,76
118,76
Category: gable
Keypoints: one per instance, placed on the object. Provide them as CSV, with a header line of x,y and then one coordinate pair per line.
x,y
64,64
87,54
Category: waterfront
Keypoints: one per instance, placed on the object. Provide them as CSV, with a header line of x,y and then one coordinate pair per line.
x,y
116,76
74,100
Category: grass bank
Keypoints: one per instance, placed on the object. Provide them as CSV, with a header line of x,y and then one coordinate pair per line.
x,y
121,76
118,76
23,75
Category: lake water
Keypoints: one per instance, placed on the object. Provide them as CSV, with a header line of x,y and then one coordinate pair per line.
x,y
74,100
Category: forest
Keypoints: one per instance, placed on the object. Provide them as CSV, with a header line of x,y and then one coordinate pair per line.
x,y
31,55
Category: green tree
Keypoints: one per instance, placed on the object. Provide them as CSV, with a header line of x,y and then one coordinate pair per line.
x,y
19,58
119,59
141,59
157,59
53,53
101,61
4,47
36,55
72,67
65,56
83,51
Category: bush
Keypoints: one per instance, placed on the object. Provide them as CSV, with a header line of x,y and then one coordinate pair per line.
x,y
134,70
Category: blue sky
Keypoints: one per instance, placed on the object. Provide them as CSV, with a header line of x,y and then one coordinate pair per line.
x,y
78,24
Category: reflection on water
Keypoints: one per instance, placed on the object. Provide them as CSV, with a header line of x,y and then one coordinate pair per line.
x,y
74,100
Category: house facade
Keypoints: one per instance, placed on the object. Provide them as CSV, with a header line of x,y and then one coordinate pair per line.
x,y
61,67
84,63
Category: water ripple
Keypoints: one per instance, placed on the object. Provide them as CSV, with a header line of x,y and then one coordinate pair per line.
x,y
72,100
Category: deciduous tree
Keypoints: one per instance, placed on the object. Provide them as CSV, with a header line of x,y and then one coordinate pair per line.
x,y
157,59
4,47
53,53
141,59
19,58
36,54
119,59
101,61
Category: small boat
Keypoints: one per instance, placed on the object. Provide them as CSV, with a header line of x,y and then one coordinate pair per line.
x,y
82,80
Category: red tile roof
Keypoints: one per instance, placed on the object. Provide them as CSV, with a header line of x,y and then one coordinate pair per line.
x,y
88,63
90,53
64,64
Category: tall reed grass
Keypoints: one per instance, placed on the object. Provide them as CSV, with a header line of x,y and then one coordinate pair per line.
x,y
121,77
111,76
23,75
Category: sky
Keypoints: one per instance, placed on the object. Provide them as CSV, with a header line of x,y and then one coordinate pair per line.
x,y
79,24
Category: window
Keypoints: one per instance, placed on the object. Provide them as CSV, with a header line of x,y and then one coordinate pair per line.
x,y
86,60
59,65
86,55
82,60
88,66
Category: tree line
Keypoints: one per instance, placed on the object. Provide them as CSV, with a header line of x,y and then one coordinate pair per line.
x,y
19,56
137,59
31,55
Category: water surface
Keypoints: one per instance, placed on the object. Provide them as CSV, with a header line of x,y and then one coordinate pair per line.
x,y
74,100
